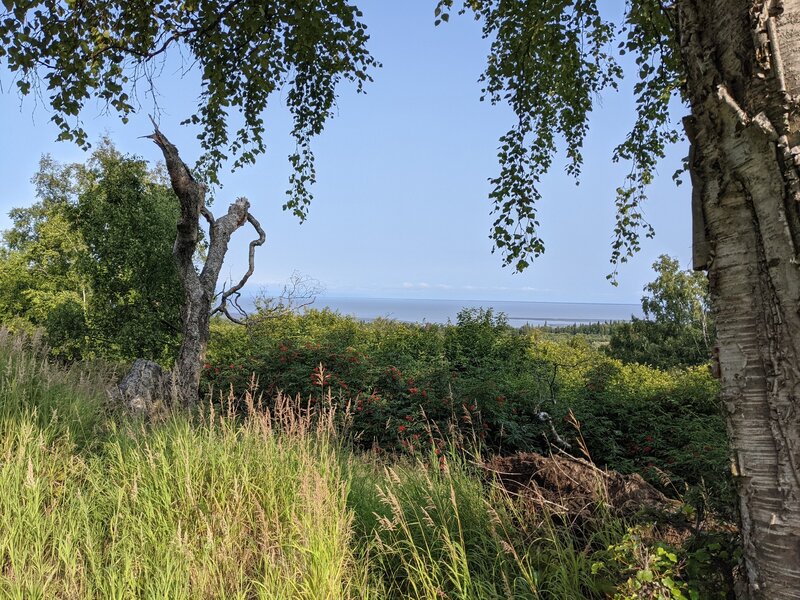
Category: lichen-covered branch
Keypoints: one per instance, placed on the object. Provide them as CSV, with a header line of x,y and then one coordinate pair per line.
x,y
199,289
219,237
251,265
192,196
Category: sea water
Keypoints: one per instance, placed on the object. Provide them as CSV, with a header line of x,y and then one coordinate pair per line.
x,y
518,313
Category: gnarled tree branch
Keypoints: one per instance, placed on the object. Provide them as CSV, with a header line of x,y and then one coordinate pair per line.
x,y
199,288
262,237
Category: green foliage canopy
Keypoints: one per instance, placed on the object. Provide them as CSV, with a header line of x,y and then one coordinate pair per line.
x,y
679,326
550,61
40,284
126,215
91,261
244,51
676,296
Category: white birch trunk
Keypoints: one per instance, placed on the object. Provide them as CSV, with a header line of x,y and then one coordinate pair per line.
x,y
742,60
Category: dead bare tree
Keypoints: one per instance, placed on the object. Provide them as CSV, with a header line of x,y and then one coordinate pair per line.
x,y
299,292
146,381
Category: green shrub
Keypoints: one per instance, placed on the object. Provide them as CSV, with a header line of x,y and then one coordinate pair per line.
x,y
640,567
488,383
274,505
476,376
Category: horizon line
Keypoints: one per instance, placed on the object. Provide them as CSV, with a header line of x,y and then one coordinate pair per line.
x,y
476,300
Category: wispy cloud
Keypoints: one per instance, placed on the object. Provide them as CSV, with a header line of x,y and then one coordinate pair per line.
x,y
422,285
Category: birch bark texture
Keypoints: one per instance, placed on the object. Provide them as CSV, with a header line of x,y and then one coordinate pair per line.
x,y
742,64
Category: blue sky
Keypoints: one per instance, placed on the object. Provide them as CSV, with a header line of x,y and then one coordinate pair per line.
x,y
401,206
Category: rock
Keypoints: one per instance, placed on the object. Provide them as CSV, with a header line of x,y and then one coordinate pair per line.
x,y
143,390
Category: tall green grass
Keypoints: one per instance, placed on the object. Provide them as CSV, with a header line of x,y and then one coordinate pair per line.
x,y
186,508
61,402
442,533
268,505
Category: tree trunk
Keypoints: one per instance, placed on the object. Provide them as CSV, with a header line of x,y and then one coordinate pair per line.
x,y
199,287
742,61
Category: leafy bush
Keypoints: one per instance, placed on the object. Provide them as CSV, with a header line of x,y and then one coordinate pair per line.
x,y
660,345
679,329
641,567
666,425
268,505
476,376
488,383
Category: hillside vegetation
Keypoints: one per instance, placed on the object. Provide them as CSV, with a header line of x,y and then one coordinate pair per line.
x,y
496,387
277,502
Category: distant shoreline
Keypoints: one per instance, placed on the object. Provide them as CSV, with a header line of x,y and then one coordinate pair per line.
x,y
478,300
517,312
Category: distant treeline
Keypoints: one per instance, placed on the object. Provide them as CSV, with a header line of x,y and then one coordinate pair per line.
x,y
600,328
